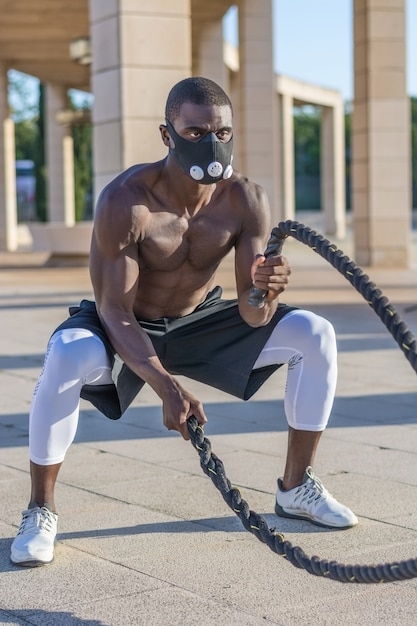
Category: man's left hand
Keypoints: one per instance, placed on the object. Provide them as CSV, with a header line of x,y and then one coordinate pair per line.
x,y
271,274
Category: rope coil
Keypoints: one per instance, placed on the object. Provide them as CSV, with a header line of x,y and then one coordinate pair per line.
x,y
213,467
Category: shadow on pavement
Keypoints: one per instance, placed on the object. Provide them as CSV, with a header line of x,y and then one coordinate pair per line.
x,y
224,418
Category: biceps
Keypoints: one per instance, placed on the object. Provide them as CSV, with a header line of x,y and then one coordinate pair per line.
x,y
117,284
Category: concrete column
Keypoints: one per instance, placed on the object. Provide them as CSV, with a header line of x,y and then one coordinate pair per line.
x,y
8,205
381,136
333,170
287,156
57,186
140,50
11,239
69,181
258,103
208,51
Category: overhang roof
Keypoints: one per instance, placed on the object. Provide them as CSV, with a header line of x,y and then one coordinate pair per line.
x,y
35,36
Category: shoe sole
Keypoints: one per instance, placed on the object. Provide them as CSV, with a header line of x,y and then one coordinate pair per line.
x,y
283,513
32,563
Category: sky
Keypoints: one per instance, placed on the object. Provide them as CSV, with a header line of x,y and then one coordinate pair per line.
x,y
313,41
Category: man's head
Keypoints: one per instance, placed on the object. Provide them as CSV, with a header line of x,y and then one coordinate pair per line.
x,y
198,129
196,90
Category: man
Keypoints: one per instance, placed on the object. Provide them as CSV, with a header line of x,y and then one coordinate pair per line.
x,y
160,232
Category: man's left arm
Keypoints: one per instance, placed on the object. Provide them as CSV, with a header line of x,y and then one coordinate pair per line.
x,y
252,268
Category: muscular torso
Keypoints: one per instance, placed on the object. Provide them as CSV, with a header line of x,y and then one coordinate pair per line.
x,y
178,257
177,250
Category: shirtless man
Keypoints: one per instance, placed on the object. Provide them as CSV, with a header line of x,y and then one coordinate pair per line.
x,y
160,232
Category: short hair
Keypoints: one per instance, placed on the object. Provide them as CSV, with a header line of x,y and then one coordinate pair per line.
x,y
197,90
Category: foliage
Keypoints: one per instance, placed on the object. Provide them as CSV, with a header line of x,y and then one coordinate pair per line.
x,y
27,101
82,135
307,125
348,155
26,133
414,148
40,159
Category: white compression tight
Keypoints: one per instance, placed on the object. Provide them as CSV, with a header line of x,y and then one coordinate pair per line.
x,y
75,357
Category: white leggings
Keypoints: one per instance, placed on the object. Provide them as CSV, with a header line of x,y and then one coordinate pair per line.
x,y
75,357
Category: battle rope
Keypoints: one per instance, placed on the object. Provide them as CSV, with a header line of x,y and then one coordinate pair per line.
x,y
214,468
354,274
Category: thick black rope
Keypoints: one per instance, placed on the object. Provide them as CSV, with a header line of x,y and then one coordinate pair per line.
x,y
213,466
354,274
256,524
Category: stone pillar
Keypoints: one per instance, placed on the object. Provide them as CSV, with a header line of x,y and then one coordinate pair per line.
x,y
287,157
140,50
56,134
258,102
69,180
10,203
333,170
381,136
208,51
8,206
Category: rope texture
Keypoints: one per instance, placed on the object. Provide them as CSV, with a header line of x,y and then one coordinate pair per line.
x,y
214,468
256,524
355,275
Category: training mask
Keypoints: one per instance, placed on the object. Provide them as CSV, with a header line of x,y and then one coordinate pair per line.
x,y
206,161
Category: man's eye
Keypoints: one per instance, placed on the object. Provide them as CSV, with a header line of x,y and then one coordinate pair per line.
x,y
223,135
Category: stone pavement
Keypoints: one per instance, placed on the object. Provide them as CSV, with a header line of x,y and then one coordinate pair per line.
x,y
144,536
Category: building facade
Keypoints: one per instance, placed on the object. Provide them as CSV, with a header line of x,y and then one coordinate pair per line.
x,y
129,53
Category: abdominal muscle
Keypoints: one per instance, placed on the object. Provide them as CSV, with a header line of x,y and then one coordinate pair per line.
x,y
172,294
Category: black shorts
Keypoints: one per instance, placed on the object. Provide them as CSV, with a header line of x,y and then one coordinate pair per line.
x,y
212,345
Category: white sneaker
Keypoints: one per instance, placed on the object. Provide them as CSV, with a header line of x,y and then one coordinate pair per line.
x,y
34,543
313,502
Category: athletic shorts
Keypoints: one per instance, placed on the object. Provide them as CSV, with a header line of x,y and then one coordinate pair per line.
x,y
212,345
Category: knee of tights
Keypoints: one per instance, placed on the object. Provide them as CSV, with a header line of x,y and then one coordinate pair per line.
x,y
75,351
312,329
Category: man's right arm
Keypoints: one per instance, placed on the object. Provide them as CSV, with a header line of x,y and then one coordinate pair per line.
x,y
114,270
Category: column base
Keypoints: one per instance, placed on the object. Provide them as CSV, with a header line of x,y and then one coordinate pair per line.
x,y
67,245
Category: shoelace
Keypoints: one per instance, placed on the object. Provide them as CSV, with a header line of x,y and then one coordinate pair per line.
x,y
36,518
312,490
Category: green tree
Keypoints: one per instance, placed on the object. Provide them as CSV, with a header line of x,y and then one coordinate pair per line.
x,y
307,124
25,138
307,128
27,100
348,154
414,150
40,160
83,162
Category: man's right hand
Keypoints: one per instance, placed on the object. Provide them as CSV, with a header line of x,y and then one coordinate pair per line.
x,y
177,406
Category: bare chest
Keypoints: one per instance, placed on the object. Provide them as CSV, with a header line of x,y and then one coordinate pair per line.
x,y
170,241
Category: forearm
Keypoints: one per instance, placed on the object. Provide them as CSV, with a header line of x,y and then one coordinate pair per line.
x,y
253,315
135,348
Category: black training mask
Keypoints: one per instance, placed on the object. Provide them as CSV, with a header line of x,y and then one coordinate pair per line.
x,y
206,161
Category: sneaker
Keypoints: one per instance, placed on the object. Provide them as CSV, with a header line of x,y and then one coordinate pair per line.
x,y
34,543
313,502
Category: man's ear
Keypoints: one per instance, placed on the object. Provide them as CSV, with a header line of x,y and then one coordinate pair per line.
x,y
165,135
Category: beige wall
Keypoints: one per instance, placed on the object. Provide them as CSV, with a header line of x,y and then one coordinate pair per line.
x,y
139,51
